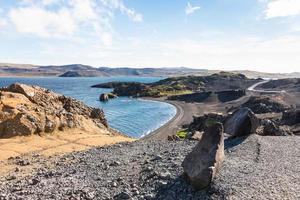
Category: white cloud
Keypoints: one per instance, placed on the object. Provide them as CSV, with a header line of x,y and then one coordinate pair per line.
x,y
282,8
189,9
42,22
118,4
60,18
2,23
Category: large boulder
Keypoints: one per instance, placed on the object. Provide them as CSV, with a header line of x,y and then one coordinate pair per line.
x,y
203,163
242,122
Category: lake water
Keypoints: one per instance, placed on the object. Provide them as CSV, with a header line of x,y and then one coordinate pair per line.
x,y
134,117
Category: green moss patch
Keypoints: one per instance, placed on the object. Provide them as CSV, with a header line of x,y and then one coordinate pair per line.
x,y
182,134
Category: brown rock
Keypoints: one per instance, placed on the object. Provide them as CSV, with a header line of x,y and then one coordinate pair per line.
x,y
203,163
173,138
242,122
197,135
26,110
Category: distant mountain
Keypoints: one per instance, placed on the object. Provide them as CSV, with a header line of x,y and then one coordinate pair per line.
x,y
79,70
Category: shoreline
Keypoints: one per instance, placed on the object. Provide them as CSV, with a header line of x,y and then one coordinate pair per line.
x,y
159,131
184,115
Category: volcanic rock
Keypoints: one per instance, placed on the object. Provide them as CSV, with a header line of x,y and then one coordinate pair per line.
x,y
264,104
271,128
202,164
291,117
242,122
104,97
199,122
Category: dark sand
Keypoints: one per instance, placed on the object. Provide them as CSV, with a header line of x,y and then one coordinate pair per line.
x,y
185,113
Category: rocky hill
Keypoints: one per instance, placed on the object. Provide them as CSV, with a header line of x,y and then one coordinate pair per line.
x,y
181,85
7,69
27,110
290,85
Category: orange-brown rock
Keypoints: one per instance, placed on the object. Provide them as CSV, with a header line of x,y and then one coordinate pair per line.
x,y
27,110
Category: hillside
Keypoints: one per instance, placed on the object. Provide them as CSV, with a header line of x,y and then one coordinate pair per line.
x,y
41,120
79,70
181,85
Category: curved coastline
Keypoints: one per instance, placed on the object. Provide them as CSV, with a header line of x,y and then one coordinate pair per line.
x,y
169,127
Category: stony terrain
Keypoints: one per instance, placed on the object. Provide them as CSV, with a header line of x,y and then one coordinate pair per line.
x,y
255,168
37,119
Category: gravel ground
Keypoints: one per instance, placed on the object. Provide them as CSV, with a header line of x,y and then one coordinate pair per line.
x,y
261,168
255,168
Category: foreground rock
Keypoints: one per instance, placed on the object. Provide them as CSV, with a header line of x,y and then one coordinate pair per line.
x,y
242,122
27,110
203,163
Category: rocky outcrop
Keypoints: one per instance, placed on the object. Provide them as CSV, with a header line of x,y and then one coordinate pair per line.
x,y
242,122
103,97
26,110
291,117
264,104
106,96
199,122
202,164
272,128
125,88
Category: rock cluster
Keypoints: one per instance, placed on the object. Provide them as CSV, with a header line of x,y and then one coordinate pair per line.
x,y
272,128
26,110
264,104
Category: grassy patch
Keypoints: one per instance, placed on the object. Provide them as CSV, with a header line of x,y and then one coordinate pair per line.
x,y
182,134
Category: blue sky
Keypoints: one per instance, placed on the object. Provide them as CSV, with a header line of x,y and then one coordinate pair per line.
x,y
261,35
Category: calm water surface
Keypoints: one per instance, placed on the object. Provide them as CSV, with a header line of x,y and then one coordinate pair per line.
x,y
134,117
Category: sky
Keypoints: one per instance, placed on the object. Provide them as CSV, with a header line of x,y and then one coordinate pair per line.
x,y
261,35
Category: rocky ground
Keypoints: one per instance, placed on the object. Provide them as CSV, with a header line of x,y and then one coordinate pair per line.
x,y
65,124
255,168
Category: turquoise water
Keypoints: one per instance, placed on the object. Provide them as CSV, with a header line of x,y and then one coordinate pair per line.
x,y
134,117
